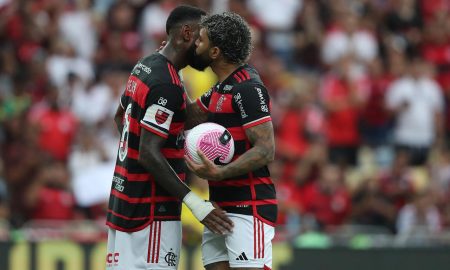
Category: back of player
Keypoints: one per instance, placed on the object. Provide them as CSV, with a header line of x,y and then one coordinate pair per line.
x,y
154,100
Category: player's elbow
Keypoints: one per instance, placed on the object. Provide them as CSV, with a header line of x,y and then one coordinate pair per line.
x,y
268,154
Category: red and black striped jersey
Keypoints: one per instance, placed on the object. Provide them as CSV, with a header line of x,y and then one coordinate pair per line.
x,y
241,101
154,99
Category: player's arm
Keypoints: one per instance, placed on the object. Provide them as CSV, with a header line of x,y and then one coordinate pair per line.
x,y
195,115
197,111
252,103
151,158
118,118
261,154
161,104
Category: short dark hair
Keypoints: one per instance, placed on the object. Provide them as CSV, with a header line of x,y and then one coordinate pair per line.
x,y
182,14
231,34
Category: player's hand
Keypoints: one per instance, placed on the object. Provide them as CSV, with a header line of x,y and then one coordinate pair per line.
x,y
163,44
218,222
206,170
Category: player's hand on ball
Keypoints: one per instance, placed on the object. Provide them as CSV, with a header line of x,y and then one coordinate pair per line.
x,y
206,170
218,222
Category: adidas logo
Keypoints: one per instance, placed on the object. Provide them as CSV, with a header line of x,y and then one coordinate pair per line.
x,y
242,257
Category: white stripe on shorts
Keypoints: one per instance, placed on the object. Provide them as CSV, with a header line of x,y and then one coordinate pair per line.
x,y
154,242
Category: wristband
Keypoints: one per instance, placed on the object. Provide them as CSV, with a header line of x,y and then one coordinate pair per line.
x,y
199,207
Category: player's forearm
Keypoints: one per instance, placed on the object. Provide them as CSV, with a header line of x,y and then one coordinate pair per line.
x,y
155,163
255,158
166,177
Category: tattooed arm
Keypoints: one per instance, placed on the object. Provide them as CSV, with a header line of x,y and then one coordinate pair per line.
x,y
262,153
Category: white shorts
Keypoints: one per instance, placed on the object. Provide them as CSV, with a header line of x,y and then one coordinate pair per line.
x,y
155,247
248,246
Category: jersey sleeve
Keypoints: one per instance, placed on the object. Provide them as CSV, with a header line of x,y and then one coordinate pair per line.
x,y
161,104
203,100
252,102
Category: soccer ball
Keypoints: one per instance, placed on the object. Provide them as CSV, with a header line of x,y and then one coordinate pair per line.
x,y
215,142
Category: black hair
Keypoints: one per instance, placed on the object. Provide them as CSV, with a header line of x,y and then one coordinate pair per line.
x,y
182,14
231,34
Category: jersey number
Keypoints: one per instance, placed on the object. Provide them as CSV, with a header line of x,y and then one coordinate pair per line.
x,y
123,146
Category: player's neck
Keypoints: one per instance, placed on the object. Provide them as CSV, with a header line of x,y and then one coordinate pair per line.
x,y
223,69
174,56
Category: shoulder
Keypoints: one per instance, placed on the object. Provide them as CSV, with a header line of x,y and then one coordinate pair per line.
x,y
155,69
250,87
247,76
169,88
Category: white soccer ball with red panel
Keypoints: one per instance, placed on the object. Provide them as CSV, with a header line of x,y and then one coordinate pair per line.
x,y
214,140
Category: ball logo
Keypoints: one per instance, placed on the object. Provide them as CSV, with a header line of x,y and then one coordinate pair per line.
x,y
171,258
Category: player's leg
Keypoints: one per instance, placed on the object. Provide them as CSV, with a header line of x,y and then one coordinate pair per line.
x,y
111,261
124,250
214,251
249,246
218,266
164,245
155,247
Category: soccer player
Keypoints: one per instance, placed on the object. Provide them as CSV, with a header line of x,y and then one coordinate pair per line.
x,y
239,102
145,203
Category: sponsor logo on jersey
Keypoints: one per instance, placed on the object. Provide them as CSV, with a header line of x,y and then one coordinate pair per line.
x,y
238,100
262,100
220,103
139,66
118,183
131,86
227,88
208,93
112,258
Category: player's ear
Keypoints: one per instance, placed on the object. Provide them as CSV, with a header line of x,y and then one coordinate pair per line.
x,y
187,32
214,52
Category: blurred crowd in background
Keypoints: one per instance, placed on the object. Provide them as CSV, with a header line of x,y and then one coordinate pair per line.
x,y
359,88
